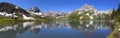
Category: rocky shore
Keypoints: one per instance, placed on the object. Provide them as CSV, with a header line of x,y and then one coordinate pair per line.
x,y
116,31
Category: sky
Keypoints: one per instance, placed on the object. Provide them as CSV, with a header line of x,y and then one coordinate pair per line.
x,y
64,5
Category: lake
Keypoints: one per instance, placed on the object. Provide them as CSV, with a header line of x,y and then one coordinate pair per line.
x,y
57,29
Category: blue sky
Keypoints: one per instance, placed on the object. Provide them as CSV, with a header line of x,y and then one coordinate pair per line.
x,y
64,5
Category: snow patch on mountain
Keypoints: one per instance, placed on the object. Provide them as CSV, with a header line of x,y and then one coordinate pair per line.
x,y
5,14
27,18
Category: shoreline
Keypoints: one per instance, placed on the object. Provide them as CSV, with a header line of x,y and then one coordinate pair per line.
x,y
116,32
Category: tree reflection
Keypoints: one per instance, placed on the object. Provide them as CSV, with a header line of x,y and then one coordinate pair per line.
x,y
89,25
86,26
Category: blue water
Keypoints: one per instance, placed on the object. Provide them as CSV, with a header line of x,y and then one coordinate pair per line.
x,y
58,30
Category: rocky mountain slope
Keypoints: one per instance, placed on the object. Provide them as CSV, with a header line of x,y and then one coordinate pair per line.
x,y
88,12
86,8
10,10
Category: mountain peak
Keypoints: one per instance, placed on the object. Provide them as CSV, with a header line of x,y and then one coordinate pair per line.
x,y
86,7
34,9
86,4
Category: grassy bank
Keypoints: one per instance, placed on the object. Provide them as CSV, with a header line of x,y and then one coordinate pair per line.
x,y
113,33
9,21
4,22
116,32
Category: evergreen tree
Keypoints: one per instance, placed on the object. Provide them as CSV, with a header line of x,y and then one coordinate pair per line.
x,y
113,15
117,14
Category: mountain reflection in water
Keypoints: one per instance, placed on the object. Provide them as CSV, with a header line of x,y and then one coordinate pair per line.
x,y
57,29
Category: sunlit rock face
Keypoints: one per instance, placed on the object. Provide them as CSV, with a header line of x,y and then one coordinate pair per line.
x,y
86,8
90,13
90,8
86,12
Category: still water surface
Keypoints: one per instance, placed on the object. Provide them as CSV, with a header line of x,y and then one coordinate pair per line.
x,y
57,29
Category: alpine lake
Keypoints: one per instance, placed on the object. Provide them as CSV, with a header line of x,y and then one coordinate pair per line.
x,y
57,29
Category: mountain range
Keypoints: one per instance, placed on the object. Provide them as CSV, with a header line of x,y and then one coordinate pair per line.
x,y
10,10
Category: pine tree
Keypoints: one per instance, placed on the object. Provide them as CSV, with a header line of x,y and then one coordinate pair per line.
x,y
118,10
117,14
113,14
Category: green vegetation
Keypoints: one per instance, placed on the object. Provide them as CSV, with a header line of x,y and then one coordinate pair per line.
x,y
5,21
74,16
112,34
115,16
115,33
87,16
9,8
